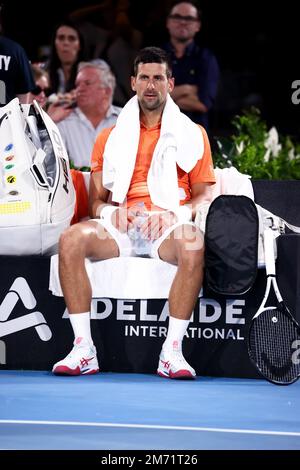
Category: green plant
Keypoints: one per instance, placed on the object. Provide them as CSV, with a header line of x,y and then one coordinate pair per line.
x,y
260,153
79,168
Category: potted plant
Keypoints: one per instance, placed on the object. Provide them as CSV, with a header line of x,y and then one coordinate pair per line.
x,y
257,151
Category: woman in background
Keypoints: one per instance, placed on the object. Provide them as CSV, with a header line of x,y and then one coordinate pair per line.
x,y
66,53
57,109
41,91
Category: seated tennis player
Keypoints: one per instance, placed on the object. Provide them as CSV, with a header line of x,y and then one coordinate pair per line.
x,y
157,156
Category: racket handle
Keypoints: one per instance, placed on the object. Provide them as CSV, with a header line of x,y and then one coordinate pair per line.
x,y
269,252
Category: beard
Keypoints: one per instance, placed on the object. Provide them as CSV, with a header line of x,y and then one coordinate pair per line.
x,y
151,104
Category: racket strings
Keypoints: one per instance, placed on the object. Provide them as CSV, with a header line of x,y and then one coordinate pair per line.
x,y
271,336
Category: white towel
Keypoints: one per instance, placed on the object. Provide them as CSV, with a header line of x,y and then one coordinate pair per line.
x,y
228,181
180,142
231,181
123,278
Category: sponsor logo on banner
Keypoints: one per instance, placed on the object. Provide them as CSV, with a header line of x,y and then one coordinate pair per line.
x,y
139,319
20,291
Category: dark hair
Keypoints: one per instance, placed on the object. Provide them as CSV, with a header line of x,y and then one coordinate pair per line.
x,y
153,55
54,62
191,2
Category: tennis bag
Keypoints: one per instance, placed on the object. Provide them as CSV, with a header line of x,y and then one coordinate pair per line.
x,y
37,196
234,228
231,244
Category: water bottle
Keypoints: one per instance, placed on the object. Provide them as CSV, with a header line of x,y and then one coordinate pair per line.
x,y
141,245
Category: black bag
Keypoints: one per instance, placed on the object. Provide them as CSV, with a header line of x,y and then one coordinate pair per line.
x,y
231,244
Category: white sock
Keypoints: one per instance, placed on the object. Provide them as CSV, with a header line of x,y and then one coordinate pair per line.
x,y
176,331
81,325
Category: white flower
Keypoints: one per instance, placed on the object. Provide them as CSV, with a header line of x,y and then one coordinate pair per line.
x,y
240,147
292,154
267,155
272,144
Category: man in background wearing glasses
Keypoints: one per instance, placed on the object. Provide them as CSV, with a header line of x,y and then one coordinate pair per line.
x,y
195,68
94,90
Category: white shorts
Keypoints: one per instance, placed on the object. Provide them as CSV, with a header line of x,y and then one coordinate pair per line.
x,y
125,243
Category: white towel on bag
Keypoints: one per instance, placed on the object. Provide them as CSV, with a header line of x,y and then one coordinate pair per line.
x,y
181,142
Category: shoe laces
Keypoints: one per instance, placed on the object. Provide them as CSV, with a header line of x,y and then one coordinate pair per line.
x,y
178,357
175,355
75,350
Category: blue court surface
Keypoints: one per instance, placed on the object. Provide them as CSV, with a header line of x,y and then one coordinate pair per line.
x,y
135,411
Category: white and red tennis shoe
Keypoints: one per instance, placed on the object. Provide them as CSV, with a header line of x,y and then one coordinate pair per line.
x,y
82,360
173,365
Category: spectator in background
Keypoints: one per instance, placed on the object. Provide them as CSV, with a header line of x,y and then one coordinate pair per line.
x,y
195,68
57,110
15,74
41,91
95,86
66,53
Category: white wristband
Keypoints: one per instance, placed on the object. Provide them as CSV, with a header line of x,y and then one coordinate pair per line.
x,y
106,212
183,213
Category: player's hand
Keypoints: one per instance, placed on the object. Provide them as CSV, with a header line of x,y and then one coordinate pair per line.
x,y
156,224
122,219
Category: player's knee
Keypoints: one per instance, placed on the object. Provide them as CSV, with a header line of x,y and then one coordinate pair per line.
x,y
71,241
191,249
190,238
192,259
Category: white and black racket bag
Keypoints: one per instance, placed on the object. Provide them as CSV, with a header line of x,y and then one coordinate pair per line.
x,y
234,229
37,196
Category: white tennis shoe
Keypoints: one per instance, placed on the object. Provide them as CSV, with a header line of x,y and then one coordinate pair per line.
x,y
82,360
173,365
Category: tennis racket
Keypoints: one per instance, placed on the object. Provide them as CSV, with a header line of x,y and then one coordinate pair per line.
x,y
274,335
